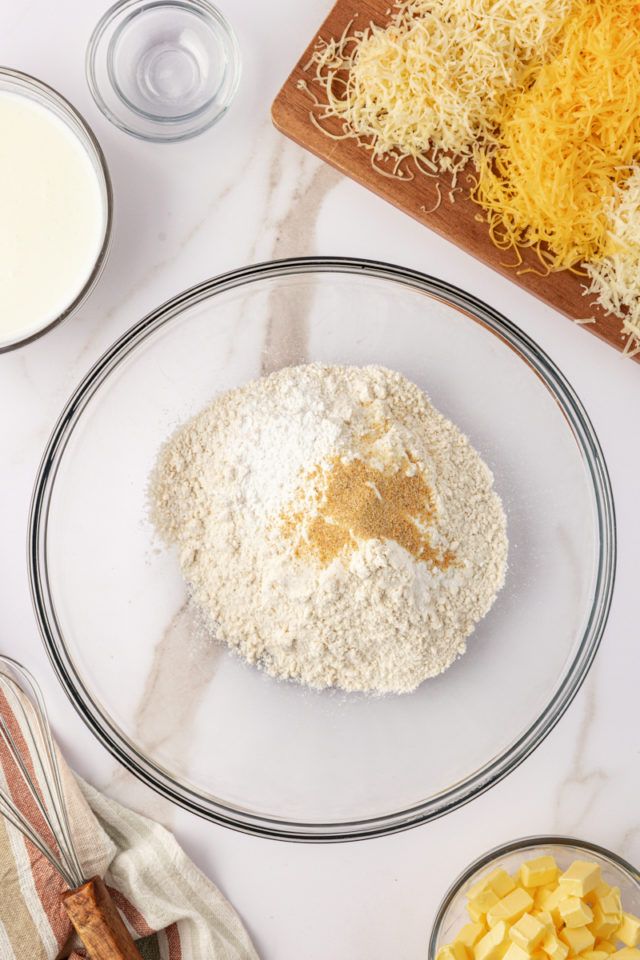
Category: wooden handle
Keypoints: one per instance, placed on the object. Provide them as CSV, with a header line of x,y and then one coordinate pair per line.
x,y
98,923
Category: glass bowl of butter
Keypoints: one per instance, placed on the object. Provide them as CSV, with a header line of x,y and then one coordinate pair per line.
x,y
56,201
541,898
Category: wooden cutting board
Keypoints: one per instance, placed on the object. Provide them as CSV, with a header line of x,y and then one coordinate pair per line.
x,y
456,221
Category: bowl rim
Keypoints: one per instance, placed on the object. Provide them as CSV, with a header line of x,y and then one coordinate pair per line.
x,y
221,812
27,81
493,856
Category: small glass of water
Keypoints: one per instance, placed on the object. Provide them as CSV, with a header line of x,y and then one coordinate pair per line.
x,y
163,70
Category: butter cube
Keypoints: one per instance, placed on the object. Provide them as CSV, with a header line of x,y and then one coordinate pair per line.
x,y
604,924
574,912
605,946
445,952
629,930
580,879
511,907
460,951
554,948
484,900
578,939
611,904
475,915
627,953
470,934
541,895
538,872
527,932
594,955
478,887
545,919
453,951
594,895
515,952
602,889
493,945
551,903
498,880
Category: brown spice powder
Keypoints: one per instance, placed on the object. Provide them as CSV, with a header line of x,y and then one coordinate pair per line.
x,y
355,501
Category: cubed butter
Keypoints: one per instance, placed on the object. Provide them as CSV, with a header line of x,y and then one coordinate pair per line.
x,y
485,900
493,945
629,930
475,915
554,948
498,880
454,951
594,895
552,902
580,879
541,895
611,904
445,952
545,919
527,932
478,887
539,872
460,951
604,924
574,912
605,945
470,934
578,939
511,907
541,914
602,889
515,952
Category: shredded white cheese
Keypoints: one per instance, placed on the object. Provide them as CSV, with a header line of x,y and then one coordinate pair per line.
x,y
616,279
430,84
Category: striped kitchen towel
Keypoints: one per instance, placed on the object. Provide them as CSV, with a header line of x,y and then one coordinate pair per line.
x,y
170,908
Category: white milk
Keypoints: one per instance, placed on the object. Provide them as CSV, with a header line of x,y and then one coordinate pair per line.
x,y
52,217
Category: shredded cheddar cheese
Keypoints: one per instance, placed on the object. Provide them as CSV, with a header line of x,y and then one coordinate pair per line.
x,y
542,95
567,140
616,279
431,85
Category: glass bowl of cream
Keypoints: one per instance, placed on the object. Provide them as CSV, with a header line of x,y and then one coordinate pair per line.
x,y
56,209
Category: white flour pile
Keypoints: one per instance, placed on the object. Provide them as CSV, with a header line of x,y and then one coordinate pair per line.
x,y
334,527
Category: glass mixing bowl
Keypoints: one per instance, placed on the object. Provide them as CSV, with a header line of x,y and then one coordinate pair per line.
x,y
452,914
215,734
24,85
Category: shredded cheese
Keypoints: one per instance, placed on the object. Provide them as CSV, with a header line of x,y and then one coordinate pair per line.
x,y
432,83
616,279
567,140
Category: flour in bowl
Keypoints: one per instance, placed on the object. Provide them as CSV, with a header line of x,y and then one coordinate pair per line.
x,y
333,526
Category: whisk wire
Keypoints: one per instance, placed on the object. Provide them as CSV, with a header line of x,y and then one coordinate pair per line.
x,y
16,819
58,804
45,787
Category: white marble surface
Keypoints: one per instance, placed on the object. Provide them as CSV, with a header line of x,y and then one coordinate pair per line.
x,y
240,194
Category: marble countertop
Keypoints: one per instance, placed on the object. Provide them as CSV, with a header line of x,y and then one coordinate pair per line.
x,y
240,194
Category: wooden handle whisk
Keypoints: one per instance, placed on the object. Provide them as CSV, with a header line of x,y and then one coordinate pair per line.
x,y
98,923
88,903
